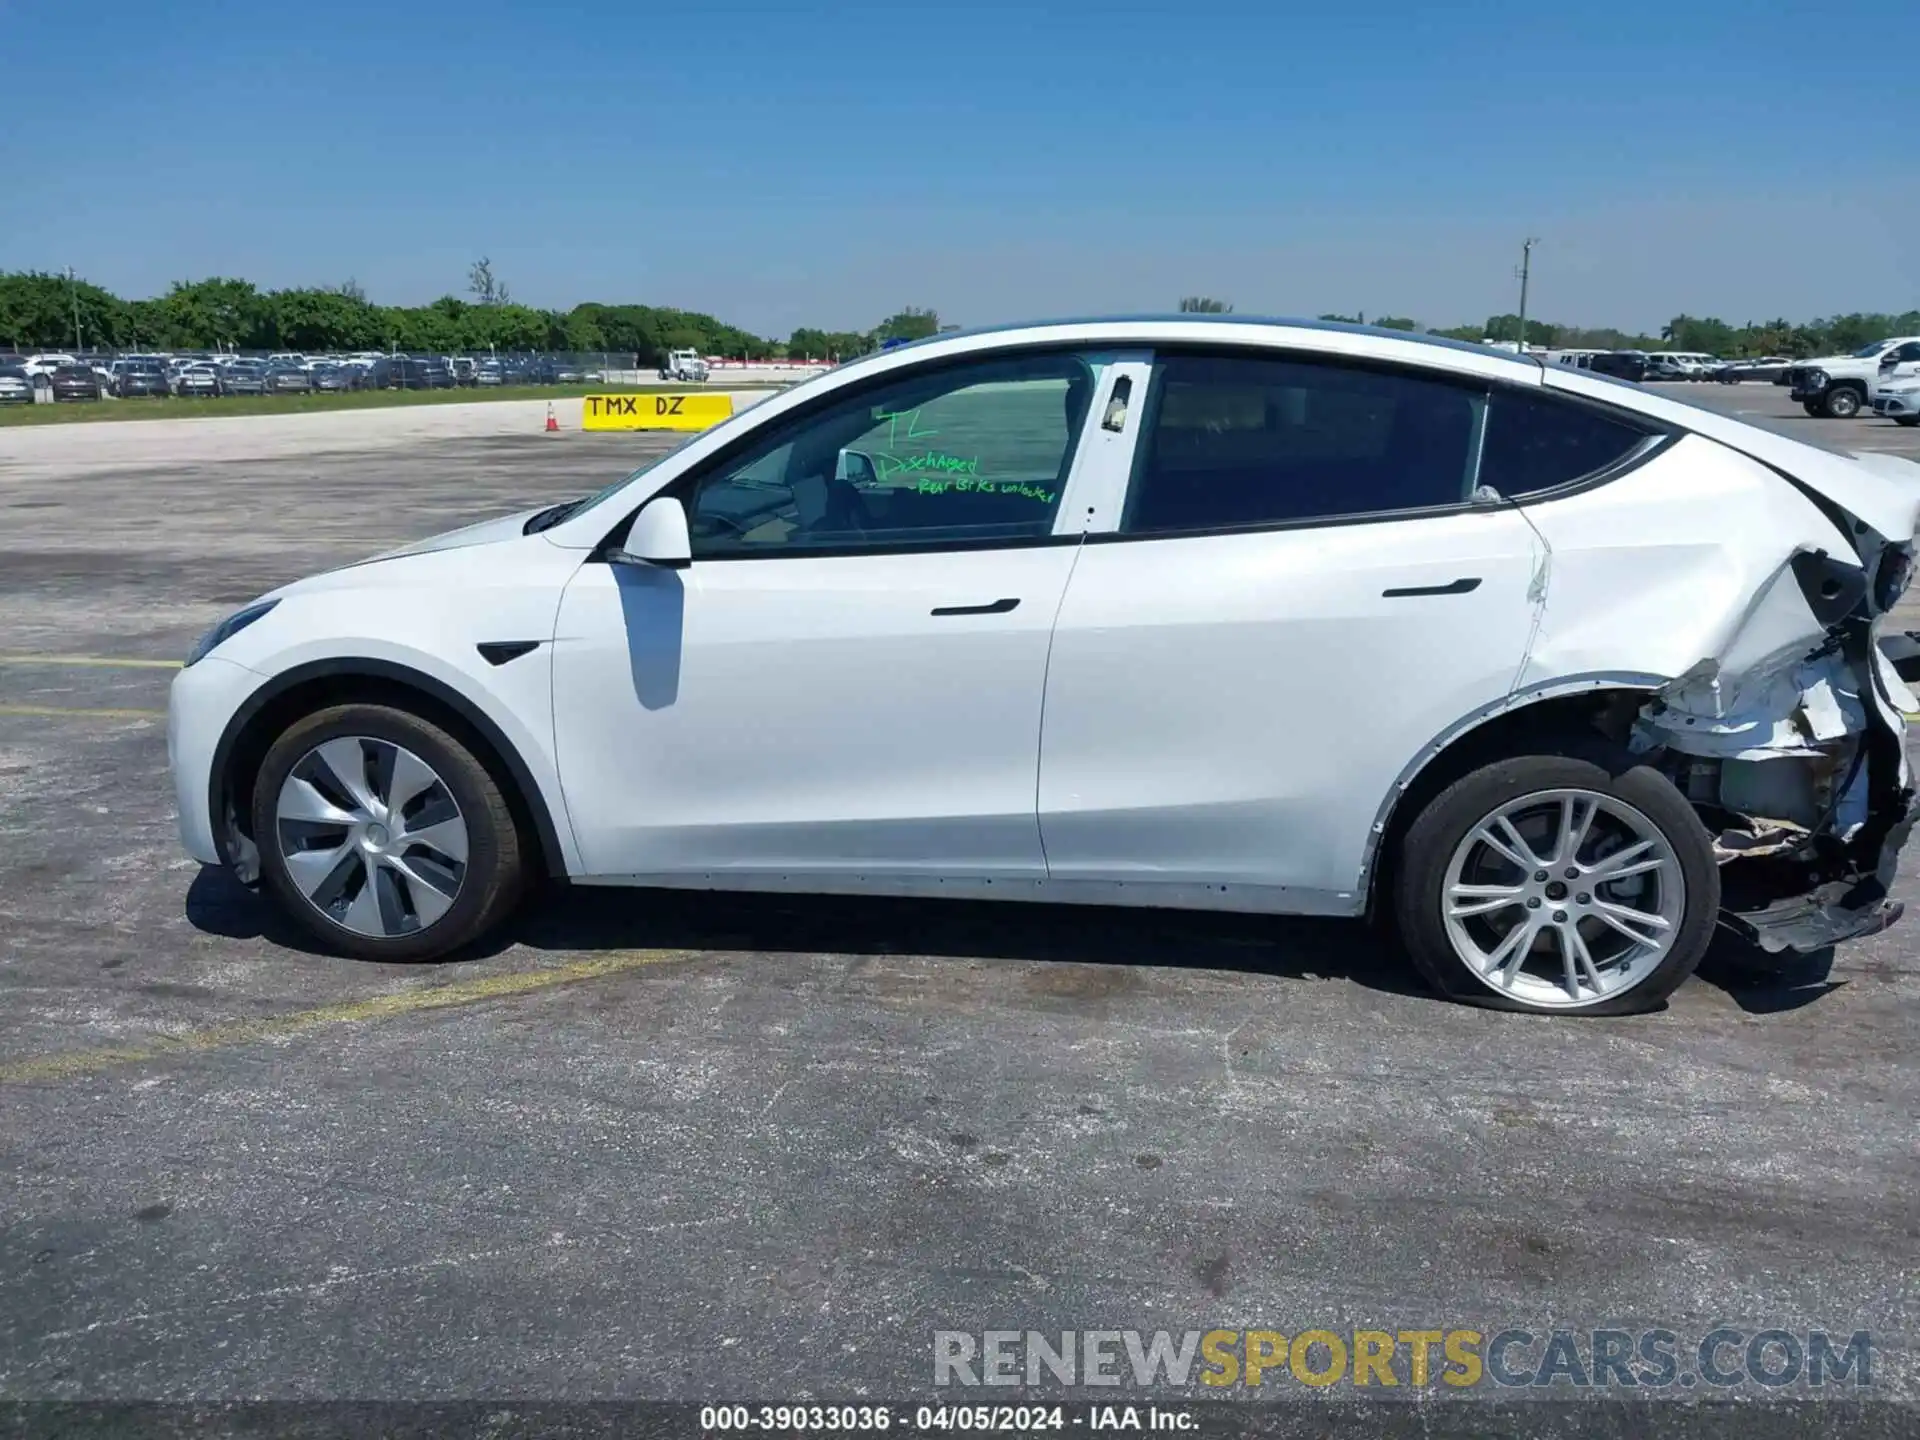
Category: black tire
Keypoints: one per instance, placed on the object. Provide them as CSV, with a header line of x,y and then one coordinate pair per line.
x,y
1419,876
1812,407
1907,420
495,869
1842,403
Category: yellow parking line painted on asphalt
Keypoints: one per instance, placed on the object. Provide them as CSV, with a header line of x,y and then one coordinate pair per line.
x,y
95,712
298,1022
103,662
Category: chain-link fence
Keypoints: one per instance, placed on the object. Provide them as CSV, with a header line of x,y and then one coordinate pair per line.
x,y
126,374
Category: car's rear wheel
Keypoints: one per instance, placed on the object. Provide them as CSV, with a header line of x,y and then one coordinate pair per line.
x,y
1580,882
383,835
1907,420
1842,403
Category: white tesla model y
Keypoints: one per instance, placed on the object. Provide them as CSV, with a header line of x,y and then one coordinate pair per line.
x,y
1550,674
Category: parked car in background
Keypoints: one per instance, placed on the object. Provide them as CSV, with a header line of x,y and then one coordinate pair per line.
x,y
16,386
243,377
1619,364
1662,365
75,382
489,373
372,372
1896,367
142,378
1768,367
1839,386
334,377
200,378
287,379
404,372
46,362
463,370
439,374
1899,401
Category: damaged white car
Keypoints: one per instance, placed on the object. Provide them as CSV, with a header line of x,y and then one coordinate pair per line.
x,y
1551,673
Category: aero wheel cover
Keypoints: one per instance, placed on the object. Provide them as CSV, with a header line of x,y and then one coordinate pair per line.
x,y
371,836
1563,898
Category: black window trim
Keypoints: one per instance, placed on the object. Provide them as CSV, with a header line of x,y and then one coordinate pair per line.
x,y
1661,437
681,487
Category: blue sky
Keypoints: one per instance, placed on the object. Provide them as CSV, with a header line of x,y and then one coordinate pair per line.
x,y
826,164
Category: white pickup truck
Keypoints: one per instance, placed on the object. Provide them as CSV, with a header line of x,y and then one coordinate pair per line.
x,y
683,365
1841,385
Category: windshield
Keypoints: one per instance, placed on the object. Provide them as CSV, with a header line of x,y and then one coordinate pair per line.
x,y
1867,352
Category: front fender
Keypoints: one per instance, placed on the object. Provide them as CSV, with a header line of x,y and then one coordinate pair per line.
x,y
528,757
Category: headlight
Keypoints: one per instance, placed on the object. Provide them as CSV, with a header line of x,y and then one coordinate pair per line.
x,y
227,629
1817,379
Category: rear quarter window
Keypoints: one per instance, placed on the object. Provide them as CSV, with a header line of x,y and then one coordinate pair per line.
x,y
1536,443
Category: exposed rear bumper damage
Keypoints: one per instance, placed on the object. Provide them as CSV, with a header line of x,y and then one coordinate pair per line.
x,y
1791,744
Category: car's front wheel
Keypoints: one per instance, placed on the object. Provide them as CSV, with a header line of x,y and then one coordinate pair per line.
x,y
1843,402
1579,882
383,835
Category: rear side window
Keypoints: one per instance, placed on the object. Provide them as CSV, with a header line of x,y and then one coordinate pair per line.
x,y
1243,442
1536,442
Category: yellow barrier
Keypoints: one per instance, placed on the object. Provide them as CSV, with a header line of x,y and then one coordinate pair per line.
x,y
654,412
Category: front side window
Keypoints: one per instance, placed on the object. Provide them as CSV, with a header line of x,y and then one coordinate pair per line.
x,y
1236,442
1536,442
967,454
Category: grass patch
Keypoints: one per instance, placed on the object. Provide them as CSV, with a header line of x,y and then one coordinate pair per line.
x,y
199,406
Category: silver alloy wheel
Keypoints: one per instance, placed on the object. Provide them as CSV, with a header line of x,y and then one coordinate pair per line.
x,y
1562,898
371,836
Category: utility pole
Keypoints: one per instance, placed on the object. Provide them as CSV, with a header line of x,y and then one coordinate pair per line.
x,y
1526,267
74,286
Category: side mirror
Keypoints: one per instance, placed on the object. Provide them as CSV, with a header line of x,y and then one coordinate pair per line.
x,y
856,467
658,536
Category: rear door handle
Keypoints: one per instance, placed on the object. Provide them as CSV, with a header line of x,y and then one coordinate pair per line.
x,y
1456,587
992,607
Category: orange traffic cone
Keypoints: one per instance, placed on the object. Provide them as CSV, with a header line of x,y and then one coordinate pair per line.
x,y
553,425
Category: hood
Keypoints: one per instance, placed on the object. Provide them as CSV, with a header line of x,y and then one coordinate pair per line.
x,y
1840,362
487,532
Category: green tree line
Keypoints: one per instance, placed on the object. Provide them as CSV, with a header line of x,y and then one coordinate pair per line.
x,y
1684,332
1709,336
40,311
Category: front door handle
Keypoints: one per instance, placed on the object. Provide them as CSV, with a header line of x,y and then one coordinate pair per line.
x,y
1456,587
992,607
